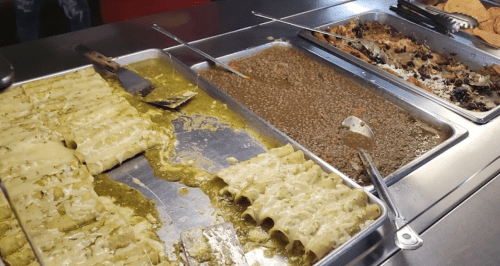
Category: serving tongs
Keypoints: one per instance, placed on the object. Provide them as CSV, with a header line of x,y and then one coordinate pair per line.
x,y
441,20
360,137
463,20
369,45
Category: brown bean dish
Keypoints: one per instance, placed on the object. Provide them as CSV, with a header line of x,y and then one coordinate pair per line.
x,y
308,101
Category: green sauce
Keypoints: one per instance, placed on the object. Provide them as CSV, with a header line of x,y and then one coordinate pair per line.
x,y
125,196
243,225
183,191
201,108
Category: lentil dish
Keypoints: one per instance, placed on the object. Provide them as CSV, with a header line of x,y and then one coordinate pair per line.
x,y
308,101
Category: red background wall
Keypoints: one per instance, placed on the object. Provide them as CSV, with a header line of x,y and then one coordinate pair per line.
x,y
116,10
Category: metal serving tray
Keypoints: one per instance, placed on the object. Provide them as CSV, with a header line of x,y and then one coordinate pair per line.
x,y
188,211
470,56
236,145
219,153
453,132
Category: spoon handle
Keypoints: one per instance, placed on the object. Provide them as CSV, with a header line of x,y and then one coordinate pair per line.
x,y
164,31
304,27
406,238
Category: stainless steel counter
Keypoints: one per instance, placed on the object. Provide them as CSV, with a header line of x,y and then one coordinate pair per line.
x,y
451,200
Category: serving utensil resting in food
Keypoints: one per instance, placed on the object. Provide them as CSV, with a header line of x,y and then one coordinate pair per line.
x,y
369,45
6,73
132,82
360,137
230,69
213,244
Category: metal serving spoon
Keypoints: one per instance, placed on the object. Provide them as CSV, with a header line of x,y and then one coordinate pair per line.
x,y
369,45
211,58
360,137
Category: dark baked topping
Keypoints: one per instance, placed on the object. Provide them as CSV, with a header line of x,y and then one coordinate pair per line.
x,y
437,73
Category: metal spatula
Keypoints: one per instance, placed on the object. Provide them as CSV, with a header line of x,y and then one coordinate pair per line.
x,y
132,82
213,244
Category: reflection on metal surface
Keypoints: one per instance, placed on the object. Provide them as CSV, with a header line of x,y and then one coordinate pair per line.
x,y
258,256
174,209
466,181
477,240
356,7
209,149
453,227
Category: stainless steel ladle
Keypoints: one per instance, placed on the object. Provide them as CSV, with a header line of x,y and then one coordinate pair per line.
x,y
360,137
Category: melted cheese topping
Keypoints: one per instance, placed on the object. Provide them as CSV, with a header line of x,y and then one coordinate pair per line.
x,y
52,189
304,202
81,108
15,249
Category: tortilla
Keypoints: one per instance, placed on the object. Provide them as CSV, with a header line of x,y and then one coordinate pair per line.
x,y
494,12
488,25
487,36
470,7
496,25
440,6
